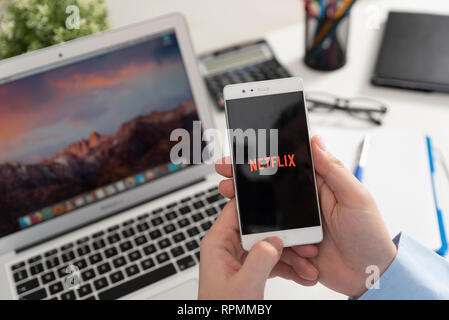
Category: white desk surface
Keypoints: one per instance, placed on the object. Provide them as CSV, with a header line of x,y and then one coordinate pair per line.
x,y
408,111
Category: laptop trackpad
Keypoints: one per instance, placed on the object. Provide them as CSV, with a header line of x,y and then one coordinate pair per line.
x,y
185,291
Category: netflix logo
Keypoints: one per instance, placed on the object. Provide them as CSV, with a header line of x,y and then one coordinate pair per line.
x,y
258,164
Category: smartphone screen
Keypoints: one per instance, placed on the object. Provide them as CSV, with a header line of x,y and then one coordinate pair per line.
x,y
286,199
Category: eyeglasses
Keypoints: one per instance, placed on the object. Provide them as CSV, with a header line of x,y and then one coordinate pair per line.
x,y
366,109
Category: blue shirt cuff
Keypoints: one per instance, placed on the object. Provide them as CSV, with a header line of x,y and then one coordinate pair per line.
x,y
415,273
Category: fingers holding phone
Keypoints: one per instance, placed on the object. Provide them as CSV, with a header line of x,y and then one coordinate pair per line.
x,y
226,270
294,264
284,203
273,172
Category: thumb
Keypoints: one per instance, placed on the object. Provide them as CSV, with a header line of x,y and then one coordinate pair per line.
x,y
340,180
261,260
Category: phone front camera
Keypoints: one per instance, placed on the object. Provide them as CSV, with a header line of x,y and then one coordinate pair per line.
x,y
243,91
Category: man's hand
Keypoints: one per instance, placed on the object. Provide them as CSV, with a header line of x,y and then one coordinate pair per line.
x,y
229,272
355,235
226,272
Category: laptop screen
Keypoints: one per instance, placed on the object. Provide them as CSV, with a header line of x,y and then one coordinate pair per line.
x,y
88,130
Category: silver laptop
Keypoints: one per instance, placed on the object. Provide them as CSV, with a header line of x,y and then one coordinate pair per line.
x,y
91,207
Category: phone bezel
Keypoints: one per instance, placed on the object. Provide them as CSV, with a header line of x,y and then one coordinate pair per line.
x,y
290,237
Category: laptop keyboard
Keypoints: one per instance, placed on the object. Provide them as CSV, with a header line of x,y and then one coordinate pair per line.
x,y
123,258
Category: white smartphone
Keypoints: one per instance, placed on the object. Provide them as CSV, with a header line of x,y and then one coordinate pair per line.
x,y
272,162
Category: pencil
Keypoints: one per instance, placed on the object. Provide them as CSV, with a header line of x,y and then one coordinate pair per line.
x,y
341,11
309,9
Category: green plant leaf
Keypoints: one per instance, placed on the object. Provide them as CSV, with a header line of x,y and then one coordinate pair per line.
x,y
28,25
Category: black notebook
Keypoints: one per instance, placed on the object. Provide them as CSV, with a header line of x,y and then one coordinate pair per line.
x,y
414,53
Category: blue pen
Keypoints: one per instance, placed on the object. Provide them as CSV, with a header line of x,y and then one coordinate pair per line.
x,y
363,156
322,8
442,251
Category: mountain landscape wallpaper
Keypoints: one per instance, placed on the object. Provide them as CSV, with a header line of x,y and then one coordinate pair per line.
x,y
74,129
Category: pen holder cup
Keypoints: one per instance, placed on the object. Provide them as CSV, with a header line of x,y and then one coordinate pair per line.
x,y
326,42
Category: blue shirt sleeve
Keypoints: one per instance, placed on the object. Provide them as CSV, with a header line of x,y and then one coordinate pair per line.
x,y
415,273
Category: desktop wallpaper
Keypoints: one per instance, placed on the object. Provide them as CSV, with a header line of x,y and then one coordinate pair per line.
x,y
70,130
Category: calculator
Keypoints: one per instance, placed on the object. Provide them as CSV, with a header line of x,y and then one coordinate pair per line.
x,y
253,61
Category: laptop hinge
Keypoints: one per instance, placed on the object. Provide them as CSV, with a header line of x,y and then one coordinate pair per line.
x,y
18,250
